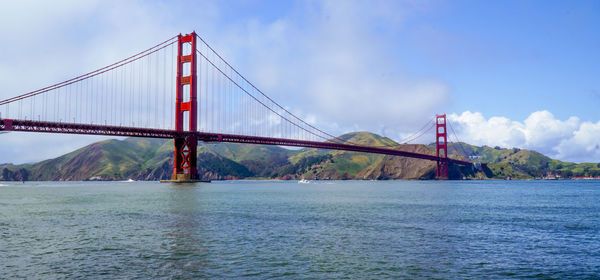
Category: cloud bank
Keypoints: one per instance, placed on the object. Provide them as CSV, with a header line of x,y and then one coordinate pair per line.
x,y
569,140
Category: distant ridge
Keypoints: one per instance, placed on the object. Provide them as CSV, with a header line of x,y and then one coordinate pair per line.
x,y
152,159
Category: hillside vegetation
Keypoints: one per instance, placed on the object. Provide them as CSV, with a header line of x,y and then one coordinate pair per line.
x,y
152,159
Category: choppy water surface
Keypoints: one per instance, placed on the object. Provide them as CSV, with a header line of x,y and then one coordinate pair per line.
x,y
349,229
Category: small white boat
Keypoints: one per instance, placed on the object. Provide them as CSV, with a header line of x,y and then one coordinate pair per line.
x,y
303,181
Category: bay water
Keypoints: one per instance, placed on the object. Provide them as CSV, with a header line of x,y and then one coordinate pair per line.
x,y
282,229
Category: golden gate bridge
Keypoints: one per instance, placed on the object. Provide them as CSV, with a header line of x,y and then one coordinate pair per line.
x,y
213,102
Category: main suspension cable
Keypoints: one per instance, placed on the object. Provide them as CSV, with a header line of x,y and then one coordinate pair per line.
x,y
96,72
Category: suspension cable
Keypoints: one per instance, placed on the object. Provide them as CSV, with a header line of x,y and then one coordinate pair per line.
x,y
413,136
266,96
96,72
459,142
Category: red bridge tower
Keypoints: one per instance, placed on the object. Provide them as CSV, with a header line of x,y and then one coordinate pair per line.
x,y
441,147
186,142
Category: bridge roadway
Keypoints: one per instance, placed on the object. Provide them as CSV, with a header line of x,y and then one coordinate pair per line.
x,y
92,129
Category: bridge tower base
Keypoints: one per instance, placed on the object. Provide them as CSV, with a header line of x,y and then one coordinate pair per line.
x,y
441,147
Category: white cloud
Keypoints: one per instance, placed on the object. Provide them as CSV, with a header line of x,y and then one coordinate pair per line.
x,y
332,59
583,145
570,140
543,130
473,128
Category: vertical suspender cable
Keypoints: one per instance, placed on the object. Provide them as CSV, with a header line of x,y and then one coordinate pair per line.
x,y
164,92
171,98
111,97
212,101
123,75
130,99
97,95
156,122
139,92
206,111
147,92
219,100
201,92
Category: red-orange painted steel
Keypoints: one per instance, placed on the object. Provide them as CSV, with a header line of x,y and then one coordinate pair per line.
x,y
441,147
186,144
73,128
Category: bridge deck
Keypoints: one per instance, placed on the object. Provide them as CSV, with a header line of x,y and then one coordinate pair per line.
x,y
91,129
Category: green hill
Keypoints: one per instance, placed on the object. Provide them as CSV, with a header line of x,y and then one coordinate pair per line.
x,y
132,158
340,164
152,159
520,163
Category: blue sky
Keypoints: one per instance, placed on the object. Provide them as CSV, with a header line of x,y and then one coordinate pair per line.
x,y
510,58
509,73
